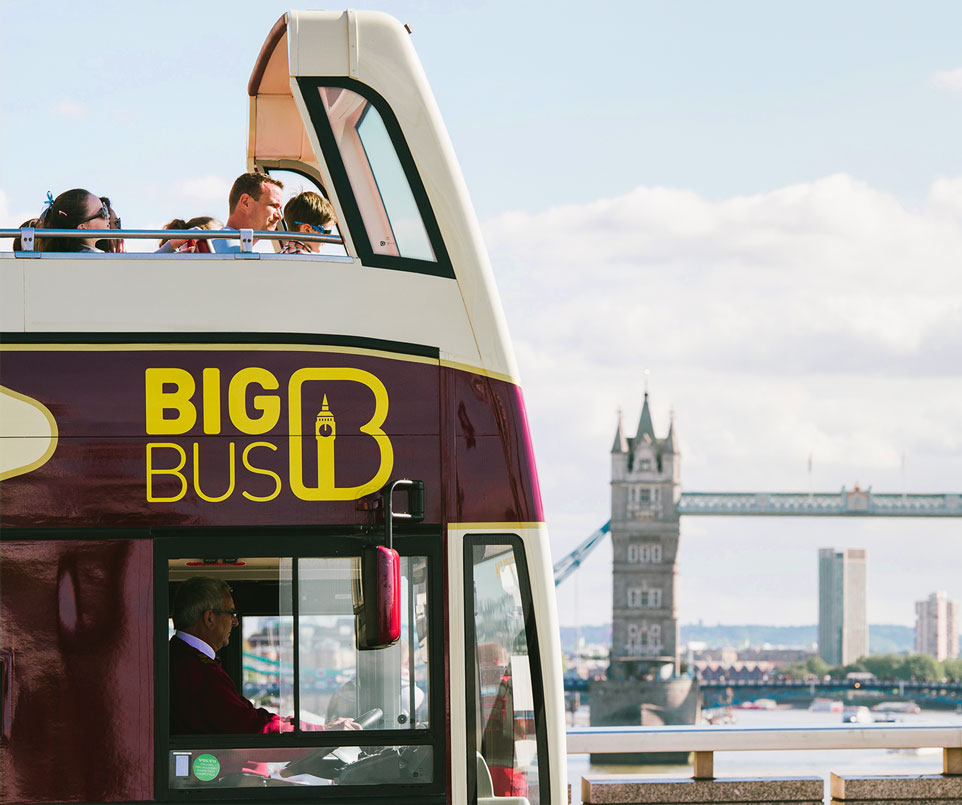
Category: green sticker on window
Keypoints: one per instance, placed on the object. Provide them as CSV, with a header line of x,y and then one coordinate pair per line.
x,y
206,767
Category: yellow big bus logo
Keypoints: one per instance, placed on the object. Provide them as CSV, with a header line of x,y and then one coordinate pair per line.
x,y
171,410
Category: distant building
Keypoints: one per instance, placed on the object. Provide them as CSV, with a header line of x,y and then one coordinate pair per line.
x,y
937,626
842,609
645,488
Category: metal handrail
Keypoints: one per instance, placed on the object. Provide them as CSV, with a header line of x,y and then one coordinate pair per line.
x,y
706,740
605,740
244,235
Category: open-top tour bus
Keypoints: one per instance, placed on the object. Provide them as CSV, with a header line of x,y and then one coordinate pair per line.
x,y
340,437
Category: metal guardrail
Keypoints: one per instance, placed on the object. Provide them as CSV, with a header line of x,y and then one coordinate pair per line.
x,y
705,741
28,235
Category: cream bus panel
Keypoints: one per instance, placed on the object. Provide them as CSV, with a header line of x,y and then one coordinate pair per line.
x,y
181,293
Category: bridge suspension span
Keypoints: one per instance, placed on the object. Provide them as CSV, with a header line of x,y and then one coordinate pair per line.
x,y
847,503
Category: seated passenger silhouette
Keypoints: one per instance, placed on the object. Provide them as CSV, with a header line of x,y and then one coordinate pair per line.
x,y
203,698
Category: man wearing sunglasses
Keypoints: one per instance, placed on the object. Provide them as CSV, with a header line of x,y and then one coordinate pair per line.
x,y
203,698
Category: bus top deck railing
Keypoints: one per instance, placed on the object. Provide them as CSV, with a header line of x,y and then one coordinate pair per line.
x,y
29,235
705,741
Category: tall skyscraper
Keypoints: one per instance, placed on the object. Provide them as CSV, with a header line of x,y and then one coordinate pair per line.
x,y
645,488
842,610
937,626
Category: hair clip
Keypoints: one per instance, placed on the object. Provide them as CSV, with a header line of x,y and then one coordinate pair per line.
x,y
46,206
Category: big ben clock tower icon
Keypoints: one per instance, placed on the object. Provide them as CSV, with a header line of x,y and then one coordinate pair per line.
x,y
325,431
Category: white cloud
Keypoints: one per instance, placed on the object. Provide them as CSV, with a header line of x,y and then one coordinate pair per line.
x,y
821,318
67,108
948,79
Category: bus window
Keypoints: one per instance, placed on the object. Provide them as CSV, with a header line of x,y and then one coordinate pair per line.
x,y
508,709
292,654
380,187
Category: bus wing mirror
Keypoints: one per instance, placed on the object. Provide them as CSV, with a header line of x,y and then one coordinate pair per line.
x,y
379,613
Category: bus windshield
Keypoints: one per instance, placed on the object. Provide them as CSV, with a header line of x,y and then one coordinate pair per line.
x,y
291,651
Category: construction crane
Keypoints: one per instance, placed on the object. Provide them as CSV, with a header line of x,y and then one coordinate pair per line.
x,y
569,564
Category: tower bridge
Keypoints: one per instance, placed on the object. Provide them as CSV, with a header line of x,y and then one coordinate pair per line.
x,y
646,506
646,509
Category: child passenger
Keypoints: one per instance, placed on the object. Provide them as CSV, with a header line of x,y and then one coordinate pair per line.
x,y
200,222
308,213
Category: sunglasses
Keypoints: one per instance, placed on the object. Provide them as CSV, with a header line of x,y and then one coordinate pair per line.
x,y
103,212
319,229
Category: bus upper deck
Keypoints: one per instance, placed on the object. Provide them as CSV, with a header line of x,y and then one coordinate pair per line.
x,y
242,419
339,101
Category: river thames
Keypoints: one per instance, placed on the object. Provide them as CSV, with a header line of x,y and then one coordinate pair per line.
x,y
817,763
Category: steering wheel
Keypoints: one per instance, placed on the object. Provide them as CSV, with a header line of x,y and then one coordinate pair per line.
x,y
312,763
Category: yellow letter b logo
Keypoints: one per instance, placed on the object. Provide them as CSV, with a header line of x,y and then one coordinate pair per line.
x,y
325,433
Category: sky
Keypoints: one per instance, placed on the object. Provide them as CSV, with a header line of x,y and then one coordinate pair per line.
x,y
759,203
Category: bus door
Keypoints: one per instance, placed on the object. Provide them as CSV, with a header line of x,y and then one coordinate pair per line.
x,y
507,739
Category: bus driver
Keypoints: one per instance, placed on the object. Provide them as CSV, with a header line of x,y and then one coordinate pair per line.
x,y
203,698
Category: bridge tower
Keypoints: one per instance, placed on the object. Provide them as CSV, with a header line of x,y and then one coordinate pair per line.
x,y
645,491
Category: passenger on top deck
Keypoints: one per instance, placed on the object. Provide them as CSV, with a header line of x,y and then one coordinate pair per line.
x,y
199,222
203,697
255,203
112,244
308,213
73,209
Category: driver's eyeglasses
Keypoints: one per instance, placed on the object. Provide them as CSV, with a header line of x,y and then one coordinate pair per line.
x,y
319,229
231,612
103,212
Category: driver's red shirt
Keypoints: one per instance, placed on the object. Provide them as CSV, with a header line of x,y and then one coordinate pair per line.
x,y
204,699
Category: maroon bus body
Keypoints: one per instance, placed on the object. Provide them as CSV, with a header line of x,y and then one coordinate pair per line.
x,y
77,608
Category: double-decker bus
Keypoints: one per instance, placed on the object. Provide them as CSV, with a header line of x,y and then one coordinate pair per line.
x,y
341,438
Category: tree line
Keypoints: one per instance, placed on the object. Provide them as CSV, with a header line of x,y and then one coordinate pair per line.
x,y
904,667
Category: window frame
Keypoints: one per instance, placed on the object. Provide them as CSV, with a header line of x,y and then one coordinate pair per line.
x,y
534,653
300,542
309,88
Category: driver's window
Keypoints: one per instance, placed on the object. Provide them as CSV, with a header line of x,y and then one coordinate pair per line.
x,y
266,648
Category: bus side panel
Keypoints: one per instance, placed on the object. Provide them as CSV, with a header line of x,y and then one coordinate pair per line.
x,y
76,620
210,456
496,476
